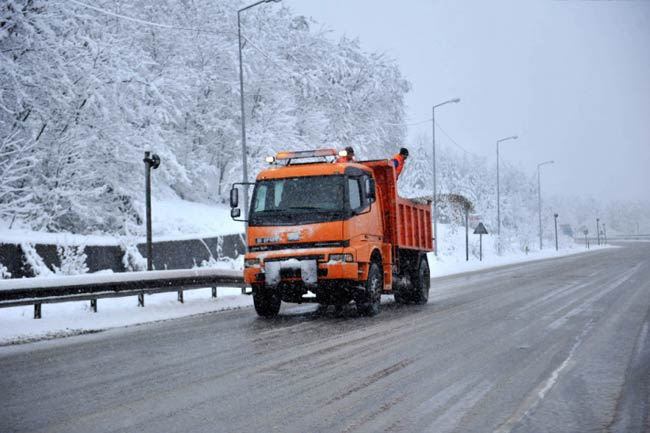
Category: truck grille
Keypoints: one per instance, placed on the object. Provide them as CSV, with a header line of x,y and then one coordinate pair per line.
x,y
318,257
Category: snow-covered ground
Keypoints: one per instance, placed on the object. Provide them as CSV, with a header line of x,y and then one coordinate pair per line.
x,y
452,259
172,219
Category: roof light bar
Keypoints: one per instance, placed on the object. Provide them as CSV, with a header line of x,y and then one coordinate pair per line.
x,y
306,154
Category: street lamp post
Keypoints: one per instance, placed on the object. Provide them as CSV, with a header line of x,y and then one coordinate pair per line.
x,y
512,137
598,230
243,114
435,190
555,216
539,198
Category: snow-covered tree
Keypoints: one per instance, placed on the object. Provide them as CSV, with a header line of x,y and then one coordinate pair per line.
x,y
87,89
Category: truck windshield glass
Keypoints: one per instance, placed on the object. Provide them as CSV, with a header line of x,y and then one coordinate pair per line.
x,y
298,200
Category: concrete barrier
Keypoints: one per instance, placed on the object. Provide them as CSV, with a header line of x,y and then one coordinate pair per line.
x,y
176,254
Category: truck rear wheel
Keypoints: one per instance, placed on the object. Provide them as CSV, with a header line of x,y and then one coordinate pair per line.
x,y
267,302
421,282
369,300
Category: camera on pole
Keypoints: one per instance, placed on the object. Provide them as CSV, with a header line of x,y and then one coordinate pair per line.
x,y
151,160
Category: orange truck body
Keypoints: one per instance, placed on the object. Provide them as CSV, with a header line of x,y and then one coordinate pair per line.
x,y
331,258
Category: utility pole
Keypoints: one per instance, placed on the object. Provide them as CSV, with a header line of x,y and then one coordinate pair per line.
x,y
598,230
435,188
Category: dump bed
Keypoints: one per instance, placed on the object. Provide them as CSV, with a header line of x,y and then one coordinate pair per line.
x,y
414,225
406,224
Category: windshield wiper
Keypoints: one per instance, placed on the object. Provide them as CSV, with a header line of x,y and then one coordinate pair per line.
x,y
305,208
271,211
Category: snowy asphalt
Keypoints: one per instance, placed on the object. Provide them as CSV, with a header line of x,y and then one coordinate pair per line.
x,y
560,345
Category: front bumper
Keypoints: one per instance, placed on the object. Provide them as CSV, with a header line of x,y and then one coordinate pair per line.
x,y
291,267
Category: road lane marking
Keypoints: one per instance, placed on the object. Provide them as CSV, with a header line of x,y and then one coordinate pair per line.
x,y
533,398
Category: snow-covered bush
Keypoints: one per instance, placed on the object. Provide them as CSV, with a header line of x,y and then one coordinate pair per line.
x,y
72,260
4,272
132,259
223,263
33,261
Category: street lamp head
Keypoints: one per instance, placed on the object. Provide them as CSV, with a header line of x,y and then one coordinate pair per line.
x,y
545,163
449,101
512,137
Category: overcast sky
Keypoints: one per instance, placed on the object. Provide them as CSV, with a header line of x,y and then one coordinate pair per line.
x,y
571,78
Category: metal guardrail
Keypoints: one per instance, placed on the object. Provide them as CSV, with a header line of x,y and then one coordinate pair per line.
x,y
594,239
37,291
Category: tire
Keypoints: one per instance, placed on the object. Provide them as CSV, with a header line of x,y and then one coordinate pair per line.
x,y
421,283
368,302
267,302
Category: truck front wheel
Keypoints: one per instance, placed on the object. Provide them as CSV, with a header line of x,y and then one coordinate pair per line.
x,y
369,300
267,302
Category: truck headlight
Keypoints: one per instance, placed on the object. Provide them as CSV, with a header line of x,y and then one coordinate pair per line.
x,y
252,263
340,258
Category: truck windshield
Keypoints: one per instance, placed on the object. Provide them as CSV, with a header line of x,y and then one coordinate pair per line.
x,y
298,200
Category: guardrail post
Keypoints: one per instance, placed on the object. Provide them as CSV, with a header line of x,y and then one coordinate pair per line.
x,y
93,305
180,296
214,292
243,290
37,311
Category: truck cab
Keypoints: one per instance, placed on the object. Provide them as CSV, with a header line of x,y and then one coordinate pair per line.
x,y
332,230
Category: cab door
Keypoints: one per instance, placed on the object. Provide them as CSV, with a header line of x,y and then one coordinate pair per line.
x,y
364,223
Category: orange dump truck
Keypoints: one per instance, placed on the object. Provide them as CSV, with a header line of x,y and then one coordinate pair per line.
x,y
337,230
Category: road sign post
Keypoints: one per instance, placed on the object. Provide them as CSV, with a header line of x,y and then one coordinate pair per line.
x,y
480,231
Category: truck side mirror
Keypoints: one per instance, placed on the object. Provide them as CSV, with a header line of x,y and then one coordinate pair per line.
x,y
234,198
235,212
371,192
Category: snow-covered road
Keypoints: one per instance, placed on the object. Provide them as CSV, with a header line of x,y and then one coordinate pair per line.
x,y
548,346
